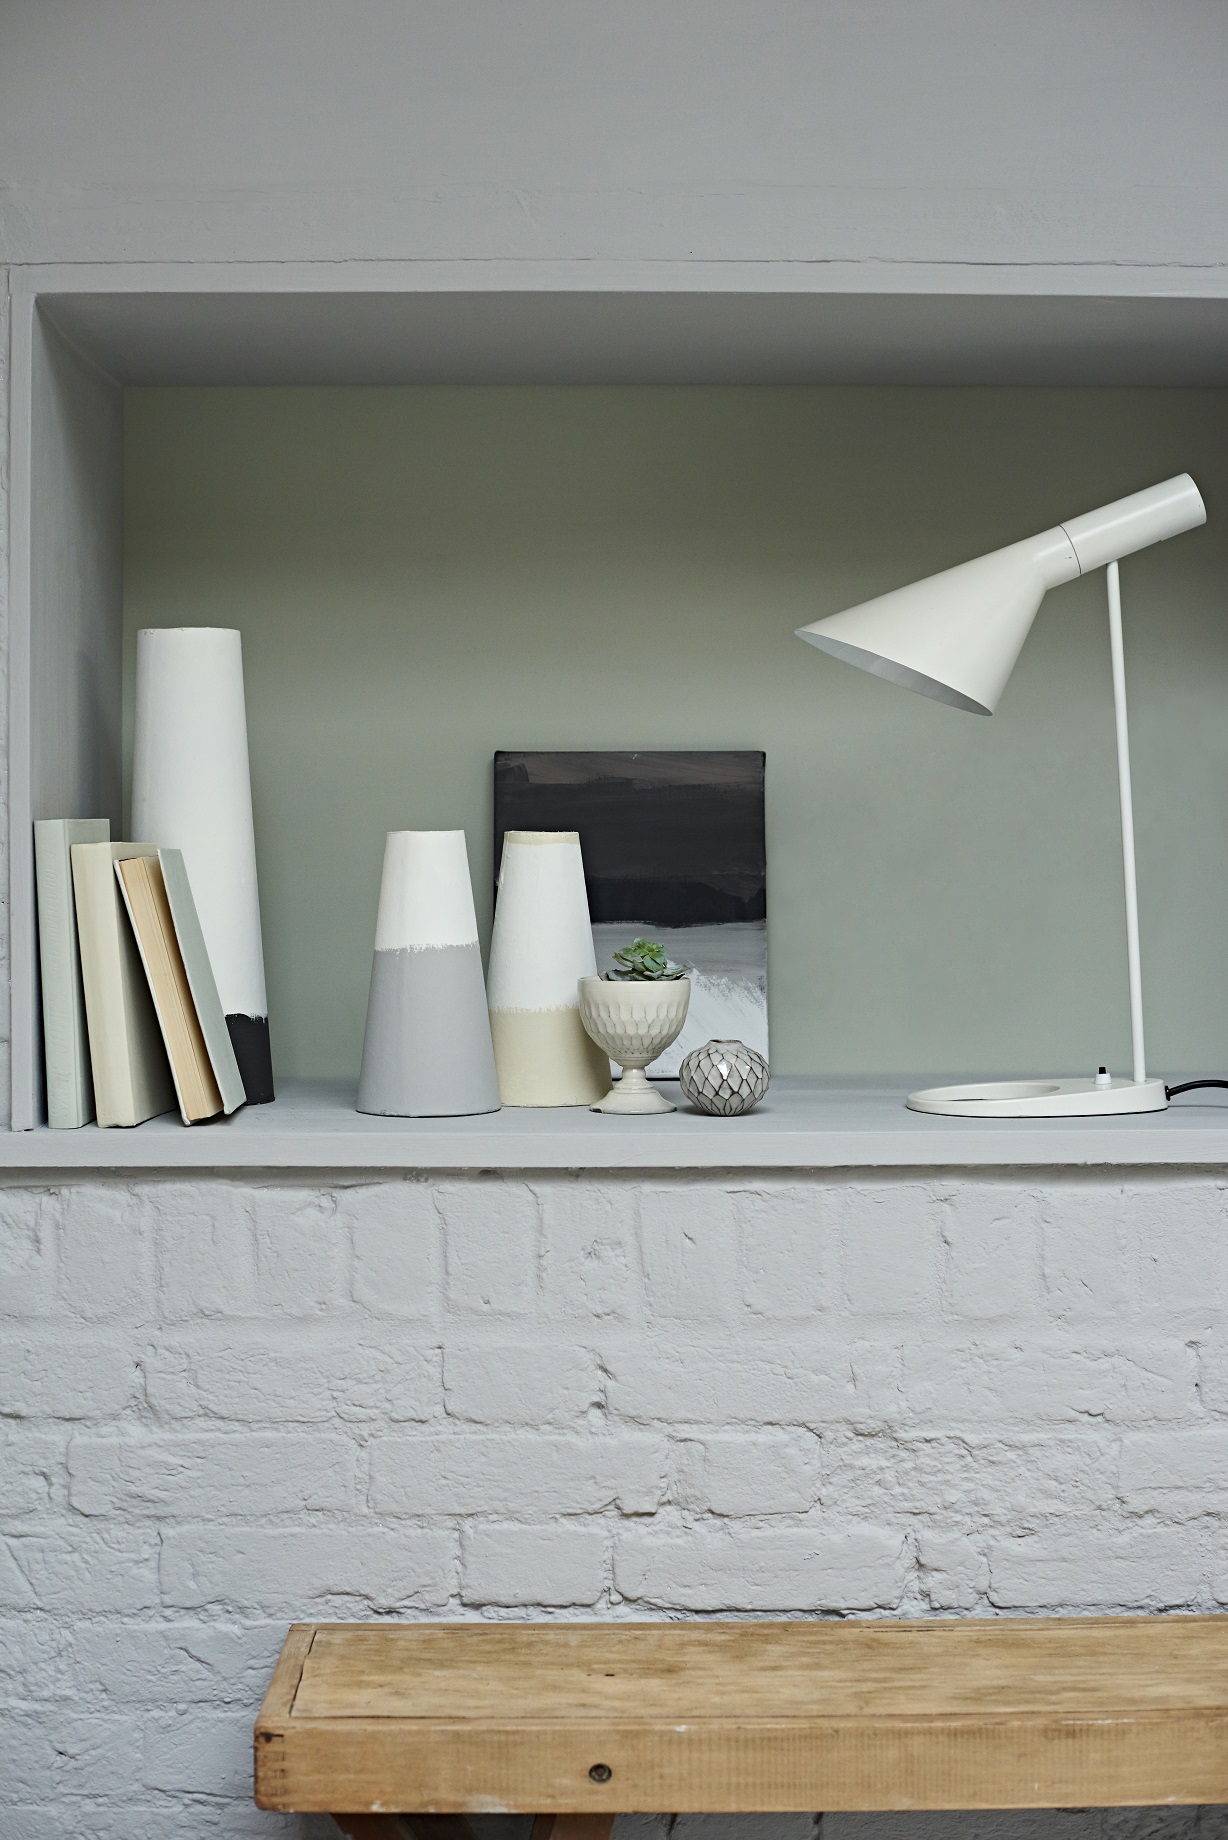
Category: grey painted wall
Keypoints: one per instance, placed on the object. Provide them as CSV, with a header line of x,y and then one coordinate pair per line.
x,y
425,575
748,131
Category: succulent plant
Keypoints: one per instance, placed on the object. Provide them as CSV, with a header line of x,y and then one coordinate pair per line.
x,y
644,962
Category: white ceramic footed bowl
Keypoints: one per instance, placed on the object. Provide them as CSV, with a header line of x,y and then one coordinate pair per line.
x,y
633,1022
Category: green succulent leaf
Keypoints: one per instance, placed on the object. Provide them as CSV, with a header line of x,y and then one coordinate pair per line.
x,y
644,961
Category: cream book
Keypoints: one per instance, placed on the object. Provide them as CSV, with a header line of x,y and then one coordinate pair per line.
x,y
132,1077
159,901
66,1049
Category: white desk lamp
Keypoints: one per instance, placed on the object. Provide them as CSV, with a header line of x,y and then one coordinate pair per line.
x,y
956,637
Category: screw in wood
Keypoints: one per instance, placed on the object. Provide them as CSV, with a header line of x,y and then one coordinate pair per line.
x,y
601,1772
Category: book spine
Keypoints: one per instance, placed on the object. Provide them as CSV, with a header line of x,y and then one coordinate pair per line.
x,y
70,1084
98,922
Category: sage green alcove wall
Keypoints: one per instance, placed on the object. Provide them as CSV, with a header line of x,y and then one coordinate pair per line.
x,y
422,575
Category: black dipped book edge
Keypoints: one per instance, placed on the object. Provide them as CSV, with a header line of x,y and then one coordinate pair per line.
x,y
249,1037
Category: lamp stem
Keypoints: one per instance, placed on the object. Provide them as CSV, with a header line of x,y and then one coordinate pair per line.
x,y
1127,824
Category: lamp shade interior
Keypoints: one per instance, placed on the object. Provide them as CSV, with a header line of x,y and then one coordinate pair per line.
x,y
954,636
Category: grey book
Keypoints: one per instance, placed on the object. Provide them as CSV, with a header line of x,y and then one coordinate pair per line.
x,y
66,1049
201,982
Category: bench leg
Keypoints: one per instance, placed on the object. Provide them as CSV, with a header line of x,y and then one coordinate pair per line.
x,y
572,1826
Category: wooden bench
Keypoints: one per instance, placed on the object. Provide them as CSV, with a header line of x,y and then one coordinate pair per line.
x,y
578,1722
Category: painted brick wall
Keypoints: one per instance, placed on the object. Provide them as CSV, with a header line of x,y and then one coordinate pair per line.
x,y
231,1404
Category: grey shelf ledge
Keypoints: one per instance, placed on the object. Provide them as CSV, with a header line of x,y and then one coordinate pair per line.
x,y
803,1124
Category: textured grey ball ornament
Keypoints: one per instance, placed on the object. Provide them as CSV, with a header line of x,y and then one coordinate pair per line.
x,y
724,1078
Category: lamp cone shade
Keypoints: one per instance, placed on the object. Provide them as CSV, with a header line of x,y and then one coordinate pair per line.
x,y
542,945
427,1051
954,636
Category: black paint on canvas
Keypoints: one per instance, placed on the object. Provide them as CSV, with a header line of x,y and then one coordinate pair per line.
x,y
675,837
249,1037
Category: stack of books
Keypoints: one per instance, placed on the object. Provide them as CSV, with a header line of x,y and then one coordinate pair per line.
x,y
132,1022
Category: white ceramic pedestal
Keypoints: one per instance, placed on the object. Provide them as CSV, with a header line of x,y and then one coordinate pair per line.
x,y
633,1022
1042,1099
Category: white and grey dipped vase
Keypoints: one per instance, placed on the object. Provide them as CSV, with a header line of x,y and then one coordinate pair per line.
x,y
427,1051
192,791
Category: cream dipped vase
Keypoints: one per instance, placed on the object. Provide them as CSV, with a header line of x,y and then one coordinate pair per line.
x,y
427,1052
634,1020
542,945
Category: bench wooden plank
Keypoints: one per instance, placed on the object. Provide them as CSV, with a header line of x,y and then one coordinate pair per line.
x,y
604,1718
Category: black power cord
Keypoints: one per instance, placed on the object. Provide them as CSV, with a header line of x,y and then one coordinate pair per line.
x,y
1170,1092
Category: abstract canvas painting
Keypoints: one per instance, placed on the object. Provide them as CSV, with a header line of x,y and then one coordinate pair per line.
x,y
674,850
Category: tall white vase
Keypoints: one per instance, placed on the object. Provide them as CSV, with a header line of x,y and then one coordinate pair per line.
x,y
427,1052
191,791
541,947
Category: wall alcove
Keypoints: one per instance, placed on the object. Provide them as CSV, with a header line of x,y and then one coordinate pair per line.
x,y
451,521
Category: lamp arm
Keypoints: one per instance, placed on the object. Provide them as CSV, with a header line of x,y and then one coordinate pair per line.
x,y
1127,824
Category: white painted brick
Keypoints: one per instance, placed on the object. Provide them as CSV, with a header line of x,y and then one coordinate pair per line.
x,y
953,1571
1158,1465
134,1816
1014,1479
56,1374
689,1251
764,1472
740,1568
555,1565
991,1233
1010,1439
590,1255
28,1222
1212,1372
1094,1567
398,1248
1022,1382
105,1266
1086,1269
304,1373
302,1253
303,1571
31,1466
737,1827
241,1475
491,1233
35,1657
889,1240
1178,1225
201,1752
205,1255
172,1664
504,1384
55,1752
517,1472
78,1568
998,1824
782,1384
786,1233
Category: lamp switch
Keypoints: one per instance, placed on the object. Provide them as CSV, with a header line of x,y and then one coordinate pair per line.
x,y
1103,1077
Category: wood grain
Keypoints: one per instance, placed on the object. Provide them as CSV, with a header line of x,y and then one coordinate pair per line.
x,y
598,1719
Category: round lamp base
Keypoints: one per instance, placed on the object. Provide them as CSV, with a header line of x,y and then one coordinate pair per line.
x,y
1042,1099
